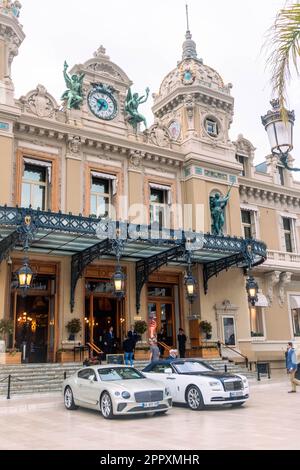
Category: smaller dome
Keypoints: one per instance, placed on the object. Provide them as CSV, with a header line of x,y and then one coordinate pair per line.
x,y
191,72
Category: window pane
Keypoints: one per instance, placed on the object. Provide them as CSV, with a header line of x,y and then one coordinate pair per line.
x,y
229,333
100,186
288,242
157,195
286,223
25,200
38,196
256,321
246,217
296,321
34,173
157,291
247,232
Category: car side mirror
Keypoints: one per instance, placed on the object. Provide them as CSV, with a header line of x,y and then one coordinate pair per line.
x,y
92,379
168,371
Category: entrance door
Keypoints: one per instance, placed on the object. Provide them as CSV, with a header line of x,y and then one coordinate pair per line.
x,y
32,322
161,320
229,331
103,311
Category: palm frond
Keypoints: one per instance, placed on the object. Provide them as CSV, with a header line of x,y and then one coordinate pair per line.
x,y
284,43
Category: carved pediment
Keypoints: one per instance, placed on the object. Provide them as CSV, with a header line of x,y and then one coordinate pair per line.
x,y
40,103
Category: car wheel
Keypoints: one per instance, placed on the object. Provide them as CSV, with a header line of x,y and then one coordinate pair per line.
x,y
106,406
194,398
69,399
237,405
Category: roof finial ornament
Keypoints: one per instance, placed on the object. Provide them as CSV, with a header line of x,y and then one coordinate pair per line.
x,y
189,46
187,17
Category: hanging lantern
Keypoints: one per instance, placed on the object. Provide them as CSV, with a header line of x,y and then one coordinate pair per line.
x,y
25,276
190,285
252,290
118,280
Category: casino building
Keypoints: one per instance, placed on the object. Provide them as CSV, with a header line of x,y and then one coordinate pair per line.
x,y
85,196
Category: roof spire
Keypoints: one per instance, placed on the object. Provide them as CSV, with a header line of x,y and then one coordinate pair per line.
x,y
187,17
189,46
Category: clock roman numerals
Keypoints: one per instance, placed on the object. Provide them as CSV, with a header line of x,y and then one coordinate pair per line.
x,y
102,103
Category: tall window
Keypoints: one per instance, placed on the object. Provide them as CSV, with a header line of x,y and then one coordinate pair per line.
x,y
243,161
101,196
296,321
159,201
280,175
256,321
288,233
247,223
36,184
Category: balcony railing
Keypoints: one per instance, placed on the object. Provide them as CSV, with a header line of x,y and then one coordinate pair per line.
x,y
282,257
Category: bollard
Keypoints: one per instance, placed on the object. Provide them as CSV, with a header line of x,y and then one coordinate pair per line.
x,y
225,368
8,387
65,375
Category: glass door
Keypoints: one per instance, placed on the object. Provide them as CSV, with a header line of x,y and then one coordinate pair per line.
x,y
161,321
229,331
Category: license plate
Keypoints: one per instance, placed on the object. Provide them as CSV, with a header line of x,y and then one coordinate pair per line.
x,y
150,404
236,394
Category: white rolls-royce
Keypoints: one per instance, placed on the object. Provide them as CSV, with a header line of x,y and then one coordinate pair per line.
x,y
198,384
115,390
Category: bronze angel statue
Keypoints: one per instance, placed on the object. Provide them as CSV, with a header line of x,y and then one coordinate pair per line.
x,y
131,108
74,94
217,206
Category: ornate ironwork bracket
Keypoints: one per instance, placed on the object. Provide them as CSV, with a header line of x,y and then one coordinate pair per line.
x,y
82,259
244,259
8,244
147,266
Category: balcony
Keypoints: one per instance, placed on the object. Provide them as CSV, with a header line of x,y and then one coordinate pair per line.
x,y
282,259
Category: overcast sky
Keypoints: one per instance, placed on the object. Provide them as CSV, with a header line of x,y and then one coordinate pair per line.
x,y
145,39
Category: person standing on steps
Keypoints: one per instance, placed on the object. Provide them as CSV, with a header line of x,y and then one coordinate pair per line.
x,y
128,347
181,342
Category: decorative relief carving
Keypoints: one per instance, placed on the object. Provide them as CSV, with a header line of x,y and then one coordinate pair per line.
x,y
285,278
135,159
189,103
159,135
271,279
74,144
40,103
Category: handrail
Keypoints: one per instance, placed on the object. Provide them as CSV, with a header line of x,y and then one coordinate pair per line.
x,y
94,348
235,351
164,345
10,378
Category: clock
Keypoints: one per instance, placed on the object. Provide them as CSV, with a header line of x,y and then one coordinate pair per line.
x,y
102,102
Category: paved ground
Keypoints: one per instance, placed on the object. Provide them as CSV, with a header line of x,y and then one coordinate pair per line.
x,y
270,420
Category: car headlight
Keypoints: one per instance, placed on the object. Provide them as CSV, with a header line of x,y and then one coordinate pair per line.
x,y
245,382
117,394
216,386
167,391
125,395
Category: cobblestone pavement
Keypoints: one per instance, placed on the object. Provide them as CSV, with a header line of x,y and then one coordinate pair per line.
x,y
270,420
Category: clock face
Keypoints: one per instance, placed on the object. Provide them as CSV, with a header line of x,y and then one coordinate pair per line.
x,y
102,104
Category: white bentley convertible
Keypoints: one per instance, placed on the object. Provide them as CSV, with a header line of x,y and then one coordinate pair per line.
x,y
115,390
197,384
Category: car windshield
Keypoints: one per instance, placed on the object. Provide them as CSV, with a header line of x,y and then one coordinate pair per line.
x,y
190,367
119,373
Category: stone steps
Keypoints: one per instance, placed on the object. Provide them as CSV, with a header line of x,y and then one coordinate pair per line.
x,y
45,378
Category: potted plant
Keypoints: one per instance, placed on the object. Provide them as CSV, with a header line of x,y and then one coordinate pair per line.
x,y
6,328
142,350
206,328
73,326
140,327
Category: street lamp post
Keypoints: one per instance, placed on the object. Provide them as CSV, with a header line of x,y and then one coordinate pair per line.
x,y
280,133
118,278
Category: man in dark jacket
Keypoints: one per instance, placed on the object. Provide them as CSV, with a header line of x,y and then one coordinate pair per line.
x,y
110,341
181,342
128,347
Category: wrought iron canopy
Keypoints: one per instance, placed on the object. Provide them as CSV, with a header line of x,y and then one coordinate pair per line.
x,y
60,234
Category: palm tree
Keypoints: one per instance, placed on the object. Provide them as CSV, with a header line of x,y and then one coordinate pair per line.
x,y
284,43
